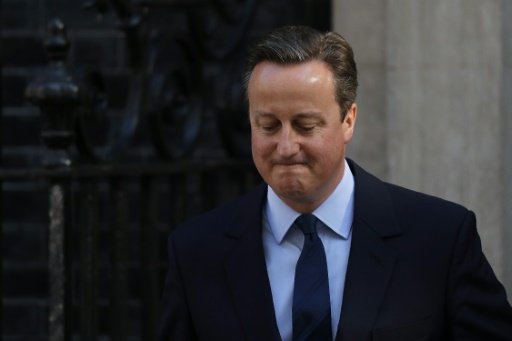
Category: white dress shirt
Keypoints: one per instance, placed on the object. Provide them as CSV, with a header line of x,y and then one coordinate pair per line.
x,y
282,247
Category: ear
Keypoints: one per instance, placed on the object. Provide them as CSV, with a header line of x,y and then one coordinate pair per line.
x,y
349,122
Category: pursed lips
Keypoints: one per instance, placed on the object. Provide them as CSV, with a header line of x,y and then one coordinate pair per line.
x,y
289,163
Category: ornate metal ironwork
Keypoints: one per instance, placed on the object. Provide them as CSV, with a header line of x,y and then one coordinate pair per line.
x,y
173,78
168,94
94,116
174,89
223,18
57,95
232,112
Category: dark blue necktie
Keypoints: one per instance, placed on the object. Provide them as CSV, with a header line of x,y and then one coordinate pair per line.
x,y
311,304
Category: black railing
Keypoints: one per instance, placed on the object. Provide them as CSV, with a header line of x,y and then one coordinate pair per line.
x,y
107,225
109,215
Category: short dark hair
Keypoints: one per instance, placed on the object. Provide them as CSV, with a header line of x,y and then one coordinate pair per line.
x,y
298,44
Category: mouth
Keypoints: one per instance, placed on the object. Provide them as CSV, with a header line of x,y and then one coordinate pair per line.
x,y
289,164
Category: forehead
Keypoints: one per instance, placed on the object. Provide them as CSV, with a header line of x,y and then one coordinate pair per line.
x,y
308,84
295,90
309,73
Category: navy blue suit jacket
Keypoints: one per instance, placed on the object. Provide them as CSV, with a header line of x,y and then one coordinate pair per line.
x,y
416,272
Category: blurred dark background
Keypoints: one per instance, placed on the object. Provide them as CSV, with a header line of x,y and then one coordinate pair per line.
x,y
158,134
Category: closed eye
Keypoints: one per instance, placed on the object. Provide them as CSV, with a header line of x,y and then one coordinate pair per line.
x,y
306,128
270,127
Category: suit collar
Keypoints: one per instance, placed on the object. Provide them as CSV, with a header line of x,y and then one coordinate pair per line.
x,y
247,212
373,205
336,212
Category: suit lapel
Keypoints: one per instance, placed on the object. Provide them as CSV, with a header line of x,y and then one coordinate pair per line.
x,y
371,261
369,269
246,271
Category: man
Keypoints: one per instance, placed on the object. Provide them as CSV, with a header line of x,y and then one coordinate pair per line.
x,y
325,250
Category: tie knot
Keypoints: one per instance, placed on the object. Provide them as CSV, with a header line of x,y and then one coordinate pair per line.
x,y
307,223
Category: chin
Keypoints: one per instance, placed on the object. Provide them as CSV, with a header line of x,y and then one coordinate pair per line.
x,y
290,190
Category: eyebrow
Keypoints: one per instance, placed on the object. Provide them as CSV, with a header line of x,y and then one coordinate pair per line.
x,y
307,114
263,113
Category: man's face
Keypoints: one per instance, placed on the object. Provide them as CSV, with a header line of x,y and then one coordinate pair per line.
x,y
298,137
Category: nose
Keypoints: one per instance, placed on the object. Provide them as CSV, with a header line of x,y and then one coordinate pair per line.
x,y
287,145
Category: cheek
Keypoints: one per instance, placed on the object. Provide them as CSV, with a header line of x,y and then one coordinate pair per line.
x,y
261,146
326,152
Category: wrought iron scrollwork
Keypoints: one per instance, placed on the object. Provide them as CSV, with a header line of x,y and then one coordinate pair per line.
x,y
169,95
166,96
101,134
175,95
221,27
221,30
232,111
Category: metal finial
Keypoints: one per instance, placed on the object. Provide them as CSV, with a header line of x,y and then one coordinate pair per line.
x,y
56,93
56,43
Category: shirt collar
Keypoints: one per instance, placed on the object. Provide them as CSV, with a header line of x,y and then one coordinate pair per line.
x,y
336,212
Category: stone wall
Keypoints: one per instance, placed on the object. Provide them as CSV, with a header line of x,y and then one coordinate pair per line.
x,y
435,104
